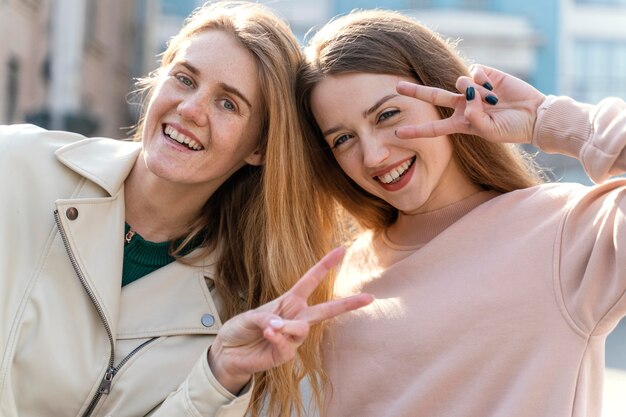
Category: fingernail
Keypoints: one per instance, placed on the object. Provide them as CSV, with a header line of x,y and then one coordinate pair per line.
x,y
470,93
493,100
488,86
277,323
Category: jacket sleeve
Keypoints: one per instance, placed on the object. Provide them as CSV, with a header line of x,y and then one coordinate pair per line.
x,y
595,135
201,395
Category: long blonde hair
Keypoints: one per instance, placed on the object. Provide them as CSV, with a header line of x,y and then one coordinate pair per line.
x,y
264,244
387,42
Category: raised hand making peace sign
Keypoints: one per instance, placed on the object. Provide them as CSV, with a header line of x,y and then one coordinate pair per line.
x,y
270,335
511,120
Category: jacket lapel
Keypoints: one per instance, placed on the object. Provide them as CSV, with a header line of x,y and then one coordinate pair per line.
x,y
94,230
172,300
93,219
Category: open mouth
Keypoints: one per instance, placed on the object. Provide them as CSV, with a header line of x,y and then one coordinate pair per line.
x,y
179,137
395,174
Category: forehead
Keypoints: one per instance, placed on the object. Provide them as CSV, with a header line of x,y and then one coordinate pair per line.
x,y
220,57
353,92
361,83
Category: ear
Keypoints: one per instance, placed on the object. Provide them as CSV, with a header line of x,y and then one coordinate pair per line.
x,y
256,158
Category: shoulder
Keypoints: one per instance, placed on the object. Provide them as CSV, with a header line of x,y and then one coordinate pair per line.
x,y
31,138
32,145
23,135
359,264
361,244
539,196
27,149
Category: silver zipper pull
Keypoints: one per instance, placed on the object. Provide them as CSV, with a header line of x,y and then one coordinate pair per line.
x,y
105,385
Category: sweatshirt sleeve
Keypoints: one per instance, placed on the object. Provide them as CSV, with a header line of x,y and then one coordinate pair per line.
x,y
590,269
201,395
595,135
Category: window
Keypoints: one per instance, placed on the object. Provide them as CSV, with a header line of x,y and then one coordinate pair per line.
x,y
180,8
419,4
476,4
12,89
602,2
32,3
91,21
598,70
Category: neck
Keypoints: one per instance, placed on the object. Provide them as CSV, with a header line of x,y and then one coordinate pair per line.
x,y
160,210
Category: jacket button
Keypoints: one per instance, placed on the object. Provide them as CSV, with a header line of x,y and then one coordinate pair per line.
x,y
71,213
207,320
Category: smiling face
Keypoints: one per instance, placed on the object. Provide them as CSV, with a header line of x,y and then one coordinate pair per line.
x,y
204,117
358,114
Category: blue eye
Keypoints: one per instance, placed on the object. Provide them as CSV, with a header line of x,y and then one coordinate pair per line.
x,y
228,105
387,114
185,80
340,140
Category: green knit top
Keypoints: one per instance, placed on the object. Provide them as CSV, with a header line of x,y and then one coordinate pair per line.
x,y
142,257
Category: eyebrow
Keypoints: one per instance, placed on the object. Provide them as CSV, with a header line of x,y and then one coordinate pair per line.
x,y
365,113
229,88
378,104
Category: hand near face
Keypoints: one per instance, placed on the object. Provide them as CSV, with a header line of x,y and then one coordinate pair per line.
x,y
270,335
507,113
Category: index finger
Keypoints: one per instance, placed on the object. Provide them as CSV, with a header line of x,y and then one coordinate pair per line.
x,y
305,286
430,129
330,309
432,95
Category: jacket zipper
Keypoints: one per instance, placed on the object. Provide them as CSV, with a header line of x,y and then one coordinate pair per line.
x,y
105,384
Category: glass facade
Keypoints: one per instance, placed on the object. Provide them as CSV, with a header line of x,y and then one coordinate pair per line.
x,y
599,70
602,2
180,8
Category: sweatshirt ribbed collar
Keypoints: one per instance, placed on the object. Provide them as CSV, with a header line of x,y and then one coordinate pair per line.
x,y
430,224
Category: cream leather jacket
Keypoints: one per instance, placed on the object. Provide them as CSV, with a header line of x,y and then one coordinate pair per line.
x,y
72,342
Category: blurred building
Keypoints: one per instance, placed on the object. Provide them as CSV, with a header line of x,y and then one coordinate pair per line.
x,y
24,64
69,64
302,15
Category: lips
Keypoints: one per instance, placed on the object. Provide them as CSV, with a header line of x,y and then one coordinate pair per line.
x,y
181,138
396,173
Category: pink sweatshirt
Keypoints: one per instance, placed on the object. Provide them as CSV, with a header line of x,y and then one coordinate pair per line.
x,y
504,308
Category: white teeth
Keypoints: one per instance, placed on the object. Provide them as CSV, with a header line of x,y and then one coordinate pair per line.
x,y
181,138
396,173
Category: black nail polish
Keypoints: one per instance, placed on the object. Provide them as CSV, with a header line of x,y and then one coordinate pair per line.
x,y
493,100
470,93
488,86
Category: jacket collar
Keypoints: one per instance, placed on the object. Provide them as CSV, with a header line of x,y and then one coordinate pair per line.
x,y
106,162
171,300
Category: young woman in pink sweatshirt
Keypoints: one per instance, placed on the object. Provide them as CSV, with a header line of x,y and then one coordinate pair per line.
x,y
495,291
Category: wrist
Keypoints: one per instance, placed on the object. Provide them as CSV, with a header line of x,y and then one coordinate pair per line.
x,y
233,382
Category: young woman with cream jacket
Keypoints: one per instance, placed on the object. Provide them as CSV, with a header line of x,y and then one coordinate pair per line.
x,y
161,277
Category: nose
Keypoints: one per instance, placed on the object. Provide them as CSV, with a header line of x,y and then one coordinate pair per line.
x,y
375,150
194,107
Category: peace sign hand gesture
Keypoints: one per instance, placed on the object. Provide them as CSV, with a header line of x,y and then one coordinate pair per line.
x,y
508,116
270,335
